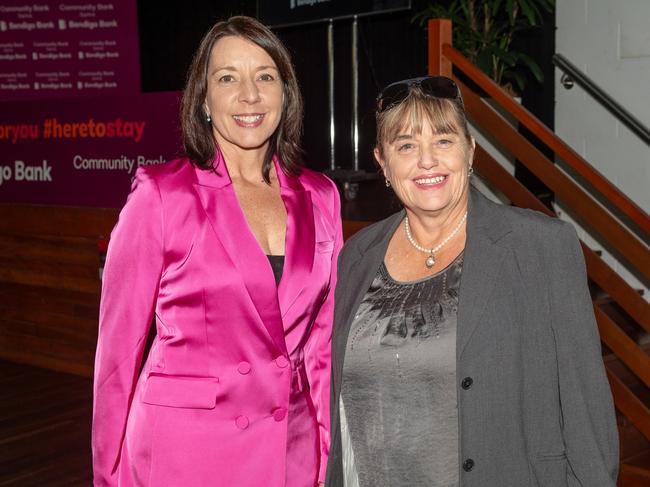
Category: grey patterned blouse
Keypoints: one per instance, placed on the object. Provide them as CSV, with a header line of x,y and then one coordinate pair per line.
x,y
399,381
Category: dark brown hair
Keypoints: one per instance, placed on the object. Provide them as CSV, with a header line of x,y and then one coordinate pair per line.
x,y
198,139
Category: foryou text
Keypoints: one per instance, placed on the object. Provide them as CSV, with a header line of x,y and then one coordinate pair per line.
x,y
52,128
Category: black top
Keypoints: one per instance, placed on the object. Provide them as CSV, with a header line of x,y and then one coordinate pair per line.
x,y
277,264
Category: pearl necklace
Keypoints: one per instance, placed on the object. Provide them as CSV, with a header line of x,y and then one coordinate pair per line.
x,y
431,260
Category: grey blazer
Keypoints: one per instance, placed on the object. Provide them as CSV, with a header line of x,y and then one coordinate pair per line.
x,y
535,408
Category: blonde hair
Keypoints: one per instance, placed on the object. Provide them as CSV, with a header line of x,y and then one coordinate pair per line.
x,y
444,115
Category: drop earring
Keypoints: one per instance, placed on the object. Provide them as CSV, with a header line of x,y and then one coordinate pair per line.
x,y
387,183
471,171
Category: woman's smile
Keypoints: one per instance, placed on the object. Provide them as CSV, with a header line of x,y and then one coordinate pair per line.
x,y
249,120
431,181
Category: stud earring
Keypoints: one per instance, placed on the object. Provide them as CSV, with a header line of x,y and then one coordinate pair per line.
x,y
208,119
471,171
387,183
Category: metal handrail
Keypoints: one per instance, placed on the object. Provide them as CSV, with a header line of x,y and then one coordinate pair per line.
x,y
606,188
625,117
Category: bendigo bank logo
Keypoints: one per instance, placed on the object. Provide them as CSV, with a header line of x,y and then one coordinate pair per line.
x,y
23,172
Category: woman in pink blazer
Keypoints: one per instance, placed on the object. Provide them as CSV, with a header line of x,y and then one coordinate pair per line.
x,y
235,389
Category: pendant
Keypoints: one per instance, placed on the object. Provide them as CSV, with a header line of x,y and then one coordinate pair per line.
x,y
430,262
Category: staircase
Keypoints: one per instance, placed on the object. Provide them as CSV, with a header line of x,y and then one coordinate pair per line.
x,y
622,314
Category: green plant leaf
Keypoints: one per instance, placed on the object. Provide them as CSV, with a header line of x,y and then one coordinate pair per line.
x,y
532,66
464,8
546,5
509,4
518,79
528,10
484,63
484,29
509,58
431,12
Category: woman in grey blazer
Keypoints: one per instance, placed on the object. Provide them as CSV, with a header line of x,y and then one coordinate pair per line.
x,y
465,351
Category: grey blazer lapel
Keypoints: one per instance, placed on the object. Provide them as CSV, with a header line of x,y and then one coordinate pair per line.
x,y
481,265
483,257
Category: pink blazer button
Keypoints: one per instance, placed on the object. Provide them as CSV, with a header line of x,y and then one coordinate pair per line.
x,y
279,414
281,361
241,422
244,368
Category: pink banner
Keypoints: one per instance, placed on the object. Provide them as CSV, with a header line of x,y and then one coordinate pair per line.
x,y
55,49
83,152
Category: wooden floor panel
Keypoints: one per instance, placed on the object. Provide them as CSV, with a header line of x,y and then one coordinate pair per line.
x,y
44,428
45,423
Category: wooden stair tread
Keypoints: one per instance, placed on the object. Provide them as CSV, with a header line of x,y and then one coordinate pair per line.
x,y
635,474
640,461
624,321
615,365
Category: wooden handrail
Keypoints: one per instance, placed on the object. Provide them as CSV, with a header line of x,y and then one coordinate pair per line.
x,y
603,275
623,346
625,205
489,169
628,404
614,233
632,355
439,34
625,242
599,271
617,288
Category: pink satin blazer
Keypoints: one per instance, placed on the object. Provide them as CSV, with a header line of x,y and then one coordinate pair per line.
x,y
212,403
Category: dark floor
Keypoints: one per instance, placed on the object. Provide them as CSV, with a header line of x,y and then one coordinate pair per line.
x,y
45,421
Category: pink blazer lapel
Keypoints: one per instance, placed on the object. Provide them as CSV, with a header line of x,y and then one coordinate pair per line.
x,y
219,200
299,240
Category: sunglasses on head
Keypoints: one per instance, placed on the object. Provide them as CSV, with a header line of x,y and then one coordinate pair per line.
x,y
437,86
